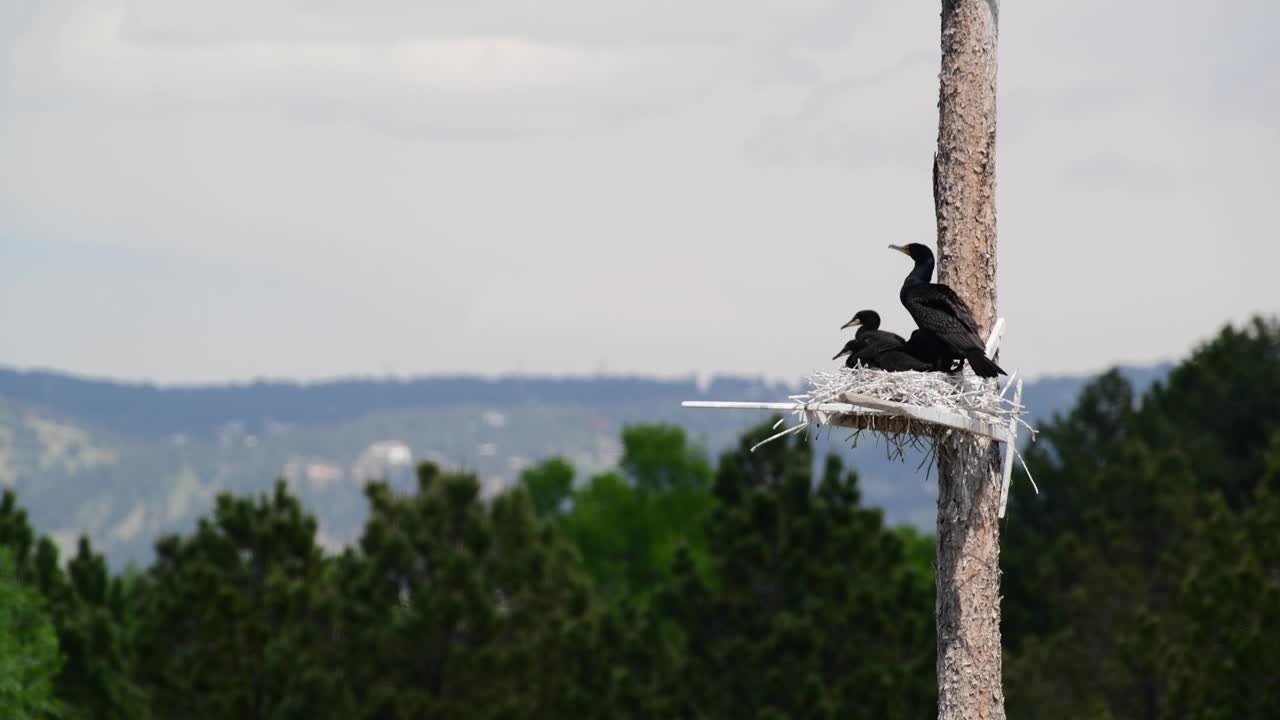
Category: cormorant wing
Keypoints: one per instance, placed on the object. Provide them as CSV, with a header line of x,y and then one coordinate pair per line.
x,y
938,309
946,299
882,341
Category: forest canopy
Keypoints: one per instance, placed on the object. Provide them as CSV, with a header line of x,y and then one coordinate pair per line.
x,y
1142,582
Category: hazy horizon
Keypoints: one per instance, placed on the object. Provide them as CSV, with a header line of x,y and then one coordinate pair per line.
x,y
698,377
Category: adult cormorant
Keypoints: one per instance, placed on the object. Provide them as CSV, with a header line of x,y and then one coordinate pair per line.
x,y
940,312
930,348
878,348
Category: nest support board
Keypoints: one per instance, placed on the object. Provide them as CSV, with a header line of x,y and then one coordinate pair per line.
x,y
909,409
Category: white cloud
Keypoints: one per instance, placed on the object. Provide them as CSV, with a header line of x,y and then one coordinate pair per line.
x,y
456,69
206,190
885,118
616,23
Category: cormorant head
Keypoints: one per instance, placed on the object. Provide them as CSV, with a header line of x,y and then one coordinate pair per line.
x,y
848,348
869,319
915,251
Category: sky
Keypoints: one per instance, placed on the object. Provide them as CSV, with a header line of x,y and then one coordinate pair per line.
x,y
196,191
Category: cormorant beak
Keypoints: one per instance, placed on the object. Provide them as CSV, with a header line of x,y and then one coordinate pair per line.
x,y
840,354
902,249
852,323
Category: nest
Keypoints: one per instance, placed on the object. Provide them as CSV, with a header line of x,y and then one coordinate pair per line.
x,y
864,398
910,410
914,410
964,394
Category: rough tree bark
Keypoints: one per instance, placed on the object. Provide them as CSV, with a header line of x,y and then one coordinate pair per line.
x,y
968,560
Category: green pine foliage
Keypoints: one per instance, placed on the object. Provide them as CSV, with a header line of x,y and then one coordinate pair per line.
x,y
229,616
1142,582
458,609
29,657
630,524
814,609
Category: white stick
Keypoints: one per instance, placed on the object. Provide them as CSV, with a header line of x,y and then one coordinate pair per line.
x,y
928,414
1009,450
733,405
784,433
993,341
1009,384
863,405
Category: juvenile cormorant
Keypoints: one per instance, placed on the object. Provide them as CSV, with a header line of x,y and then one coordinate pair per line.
x,y
940,312
878,348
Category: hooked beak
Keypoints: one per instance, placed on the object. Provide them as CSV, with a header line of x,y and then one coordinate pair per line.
x,y
840,354
852,323
902,249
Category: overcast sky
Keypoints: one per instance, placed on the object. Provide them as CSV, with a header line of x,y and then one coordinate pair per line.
x,y
201,190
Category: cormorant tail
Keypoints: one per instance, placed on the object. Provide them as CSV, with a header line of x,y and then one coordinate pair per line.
x,y
983,366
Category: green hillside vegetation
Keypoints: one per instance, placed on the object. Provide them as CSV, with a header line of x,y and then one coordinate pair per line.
x,y
1142,582
29,658
93,457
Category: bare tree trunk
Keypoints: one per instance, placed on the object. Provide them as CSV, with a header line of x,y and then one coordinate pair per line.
x,y
968,561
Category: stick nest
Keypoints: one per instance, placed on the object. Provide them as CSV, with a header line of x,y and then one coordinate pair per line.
x,y
962,394
966,395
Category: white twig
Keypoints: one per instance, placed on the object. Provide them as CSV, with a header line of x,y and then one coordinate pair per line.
x,y
784,433
1009,450
997,334
1027,470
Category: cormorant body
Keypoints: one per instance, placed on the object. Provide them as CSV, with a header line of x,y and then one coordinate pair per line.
x,y
876,348
942,314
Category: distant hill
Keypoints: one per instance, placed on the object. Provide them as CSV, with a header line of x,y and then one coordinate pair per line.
x,y
127,462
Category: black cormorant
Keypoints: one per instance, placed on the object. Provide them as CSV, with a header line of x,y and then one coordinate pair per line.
x,y
930,348
939,311
878,348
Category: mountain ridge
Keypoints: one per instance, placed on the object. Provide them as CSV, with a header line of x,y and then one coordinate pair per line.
x,y
127,462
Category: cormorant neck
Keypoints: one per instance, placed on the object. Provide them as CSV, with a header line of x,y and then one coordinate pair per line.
x,y
921,274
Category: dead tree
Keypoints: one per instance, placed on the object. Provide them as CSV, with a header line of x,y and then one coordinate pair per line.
x,y
961,424
968,552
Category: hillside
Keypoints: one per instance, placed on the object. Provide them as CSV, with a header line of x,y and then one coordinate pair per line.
x,y
125,463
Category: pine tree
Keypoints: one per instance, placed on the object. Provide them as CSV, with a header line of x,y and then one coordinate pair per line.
x,y
91,618
549,484
813,610
29,657
1225,661
94,628
1139,580
629,524
461,611
230,623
